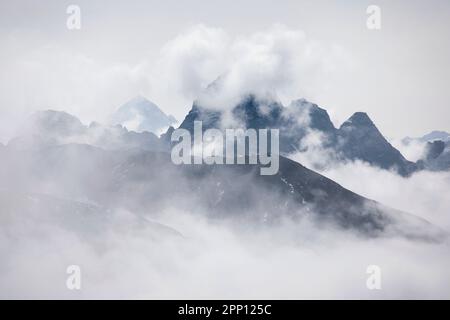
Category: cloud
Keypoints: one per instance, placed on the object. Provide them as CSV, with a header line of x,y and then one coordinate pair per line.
x,y
425,194
192,60
213,260
279,60
124,254
51,77
413,151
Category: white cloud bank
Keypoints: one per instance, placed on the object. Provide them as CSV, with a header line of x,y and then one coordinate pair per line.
x,y
279,59
425,194
215,261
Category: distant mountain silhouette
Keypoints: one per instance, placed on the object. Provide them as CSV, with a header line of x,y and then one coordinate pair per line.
x,y
429,137
436,154
48,128
140,114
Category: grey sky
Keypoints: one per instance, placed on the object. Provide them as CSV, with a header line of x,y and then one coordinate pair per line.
x,y
399,74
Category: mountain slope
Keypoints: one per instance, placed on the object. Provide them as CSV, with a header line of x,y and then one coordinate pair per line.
x,y
86,220
148,182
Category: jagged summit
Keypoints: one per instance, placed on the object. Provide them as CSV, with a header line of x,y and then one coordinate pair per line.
x,y
166,136
140,114
362,140
318,117
358,119
357,139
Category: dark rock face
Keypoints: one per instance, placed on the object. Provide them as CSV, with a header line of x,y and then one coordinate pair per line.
x,y
436,156
357,139
255,113
166,137
318,117
360,139
210,118
434,149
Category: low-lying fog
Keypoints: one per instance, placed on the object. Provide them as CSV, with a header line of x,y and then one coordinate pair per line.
x,y
182,254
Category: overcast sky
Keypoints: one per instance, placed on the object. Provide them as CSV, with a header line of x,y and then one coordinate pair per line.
x,y
168,50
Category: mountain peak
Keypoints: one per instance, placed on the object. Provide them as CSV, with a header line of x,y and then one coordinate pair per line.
x,y
54,115
140,114
60,122
139,103
361,139
318,117
358,119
